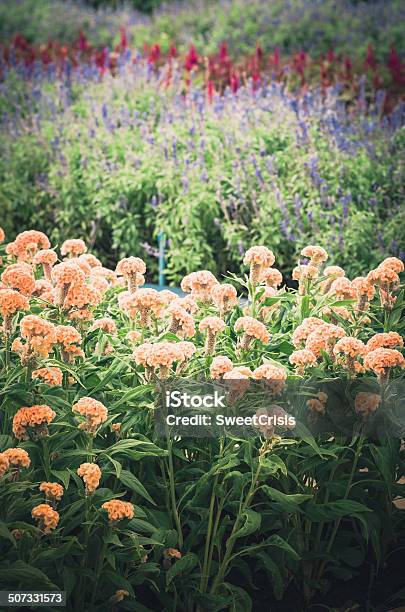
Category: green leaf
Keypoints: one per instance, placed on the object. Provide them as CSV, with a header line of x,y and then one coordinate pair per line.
x,y
286,502
252,522
131,481
181,566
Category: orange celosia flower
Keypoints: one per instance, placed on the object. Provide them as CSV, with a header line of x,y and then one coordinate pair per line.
x,y
384,340
163,355
146,302
141,353
213,326
365,403
133,336
387,281
303,274
224,297
118,510
92,261
315,253
187,348
46,258
303,330
182,323
348,349
10,302
53,490
219,366
302,359
91,474
28,243
252,328
42,286
40,335
48,517
259,258
188,303
343,289
94,412
272,277
382,360
80,295
2,235
19,277
69,339
17,457
32,422
274,376
331,273
73,247
393,263
52,376
133,269
172,553
64,275
200,284
4,462
106,325
99,283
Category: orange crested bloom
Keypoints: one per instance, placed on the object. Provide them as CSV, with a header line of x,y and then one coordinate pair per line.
x,y
94,412
365,403
32,422
182,323
315,253
303,330
331,273
19,277
141,353
393,263
46,258
4,463
73,247
92,261
258,258
40,335
302,359
69,339
133,336
28,243
99,283
384,340
213,326
172,553
343,289
132,269
187,348
187,302
274,376
53,490
224,297
163,355
64,275
382,360
91,474
252,329
52,376
147,302
11,302
387,280
42,286
80,295
200,284
348,350
106,325
48,517
239,381
17,457
265,311
272,277
303,274
118,510
2,235
219,366
323,338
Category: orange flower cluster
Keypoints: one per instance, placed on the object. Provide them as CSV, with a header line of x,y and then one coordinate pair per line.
x,y
133,270
106,325
274,376
19,276
118,510
32,422
366,403
200,284
27,244
182,323
73,247
317,405
302,359
348,350
258,258
213,326
11,302
53,491
4,464
253,329
48,517
145,302
316,254
52,376
94,412
69,340
384,340
224,297
91,474
386,278
219,366
382,360
39,334
17,457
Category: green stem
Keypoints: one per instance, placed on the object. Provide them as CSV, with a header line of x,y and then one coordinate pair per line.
x,y
173,491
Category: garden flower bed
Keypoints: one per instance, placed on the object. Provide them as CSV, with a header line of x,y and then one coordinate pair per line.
x,y
95,503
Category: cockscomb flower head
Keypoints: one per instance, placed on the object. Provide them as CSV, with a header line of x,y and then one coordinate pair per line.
x,y
315,253
47,517
384,340
303,330
107,325
118,510
302,359
224,297
258,258
73,247
51,376
53,491
40,335
32,422
272,277
274,376
252,328
213,326
366,403
19,277
132,269
28,243
382,360
17,457
94,412
219,366
91,474
181,322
